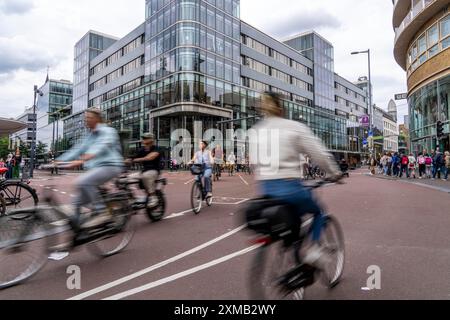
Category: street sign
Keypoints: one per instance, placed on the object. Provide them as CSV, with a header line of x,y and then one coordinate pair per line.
x,y
365,143
401,96
364,121
370,133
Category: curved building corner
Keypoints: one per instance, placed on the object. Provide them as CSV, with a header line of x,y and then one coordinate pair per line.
x,y
422,49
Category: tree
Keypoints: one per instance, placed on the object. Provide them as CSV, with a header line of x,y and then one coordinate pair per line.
x,y
4,147
41,148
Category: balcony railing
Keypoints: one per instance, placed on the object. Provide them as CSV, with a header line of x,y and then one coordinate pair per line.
x,y
412,14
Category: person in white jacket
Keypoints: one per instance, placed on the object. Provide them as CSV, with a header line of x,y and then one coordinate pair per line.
x,y
283,141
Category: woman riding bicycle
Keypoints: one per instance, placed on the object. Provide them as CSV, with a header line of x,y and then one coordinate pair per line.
x,y
280,178
205,158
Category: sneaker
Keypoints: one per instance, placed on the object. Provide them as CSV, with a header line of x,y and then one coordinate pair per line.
x,y
209,195
153,201
97,220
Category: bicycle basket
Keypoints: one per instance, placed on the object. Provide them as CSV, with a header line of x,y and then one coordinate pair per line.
x,y
197,169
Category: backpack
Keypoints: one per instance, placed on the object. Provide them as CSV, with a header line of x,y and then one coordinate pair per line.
x,y
428,161
421,160
405,161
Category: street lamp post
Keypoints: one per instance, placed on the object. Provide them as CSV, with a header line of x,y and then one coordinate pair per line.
x,y
371,110
33,144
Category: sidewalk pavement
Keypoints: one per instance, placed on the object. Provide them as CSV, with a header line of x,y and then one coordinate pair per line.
x,y
436,184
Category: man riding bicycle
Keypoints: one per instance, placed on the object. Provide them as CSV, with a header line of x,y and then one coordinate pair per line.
x,y
280,178
100,153
205,158
150,158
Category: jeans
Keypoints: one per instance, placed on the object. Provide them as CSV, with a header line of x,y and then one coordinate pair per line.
x,y
404,168
87,187
395,170
294,193
208,181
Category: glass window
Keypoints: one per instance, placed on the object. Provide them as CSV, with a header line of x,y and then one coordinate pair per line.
x,y
228,72
236,30
422,44
228,49
236,74
211,65
203,13
433,51
236,52
229,6
422,58
433,35
203,38
220,4
445,27
446,43
220,46
211,17
414,51
228,27
211,42
220,22
236,8
219,68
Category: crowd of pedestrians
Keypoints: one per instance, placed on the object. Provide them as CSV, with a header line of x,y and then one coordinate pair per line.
x,y
14,164
426,166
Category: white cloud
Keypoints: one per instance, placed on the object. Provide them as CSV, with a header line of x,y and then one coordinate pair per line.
x,y
51,28
15,6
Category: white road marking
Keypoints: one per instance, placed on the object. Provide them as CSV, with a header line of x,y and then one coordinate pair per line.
x,y
63,192
55,190
183,274
189,182
156,266
243,180
179,214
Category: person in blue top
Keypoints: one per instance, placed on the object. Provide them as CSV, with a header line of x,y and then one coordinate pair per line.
x,y
204,157
100,154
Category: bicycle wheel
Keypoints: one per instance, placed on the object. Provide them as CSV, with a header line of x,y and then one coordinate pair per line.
x,y
196,198
121,232
18,195
2,206
23,247
270,266
332,242
156,214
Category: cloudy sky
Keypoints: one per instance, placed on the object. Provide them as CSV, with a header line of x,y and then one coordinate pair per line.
x,y
35,34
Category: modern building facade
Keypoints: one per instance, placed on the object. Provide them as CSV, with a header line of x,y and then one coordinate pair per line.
x,y
390,133
50,109
24,136
422,49
86,49
195,61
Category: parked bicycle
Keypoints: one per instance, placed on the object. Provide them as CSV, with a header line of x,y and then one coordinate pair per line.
x,y
17,194
25,243
277,270
198,193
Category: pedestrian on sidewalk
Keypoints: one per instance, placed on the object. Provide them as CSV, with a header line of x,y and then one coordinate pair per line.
x,y
438,164
447,165
389,164
372,165
428,165
395,165
384,164
412,166
404,166
422,165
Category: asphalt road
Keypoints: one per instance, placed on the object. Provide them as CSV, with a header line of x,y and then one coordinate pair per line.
x,y
401,228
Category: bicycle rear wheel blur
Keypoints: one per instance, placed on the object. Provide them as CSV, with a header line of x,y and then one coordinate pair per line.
x,y
2,206
23,247
196,198
269,265
122,229
332,243
18,195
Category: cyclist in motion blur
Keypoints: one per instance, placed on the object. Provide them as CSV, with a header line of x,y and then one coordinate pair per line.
x,y
283,181
100,153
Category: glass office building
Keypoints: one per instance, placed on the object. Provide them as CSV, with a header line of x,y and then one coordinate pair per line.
x,y
196,61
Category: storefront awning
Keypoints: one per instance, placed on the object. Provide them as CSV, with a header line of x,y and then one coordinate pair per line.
x,y
9,126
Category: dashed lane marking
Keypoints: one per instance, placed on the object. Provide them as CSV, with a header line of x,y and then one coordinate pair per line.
x,y
183,274
156,266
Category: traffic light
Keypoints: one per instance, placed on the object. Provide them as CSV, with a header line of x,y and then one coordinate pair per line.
x,y
439,129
